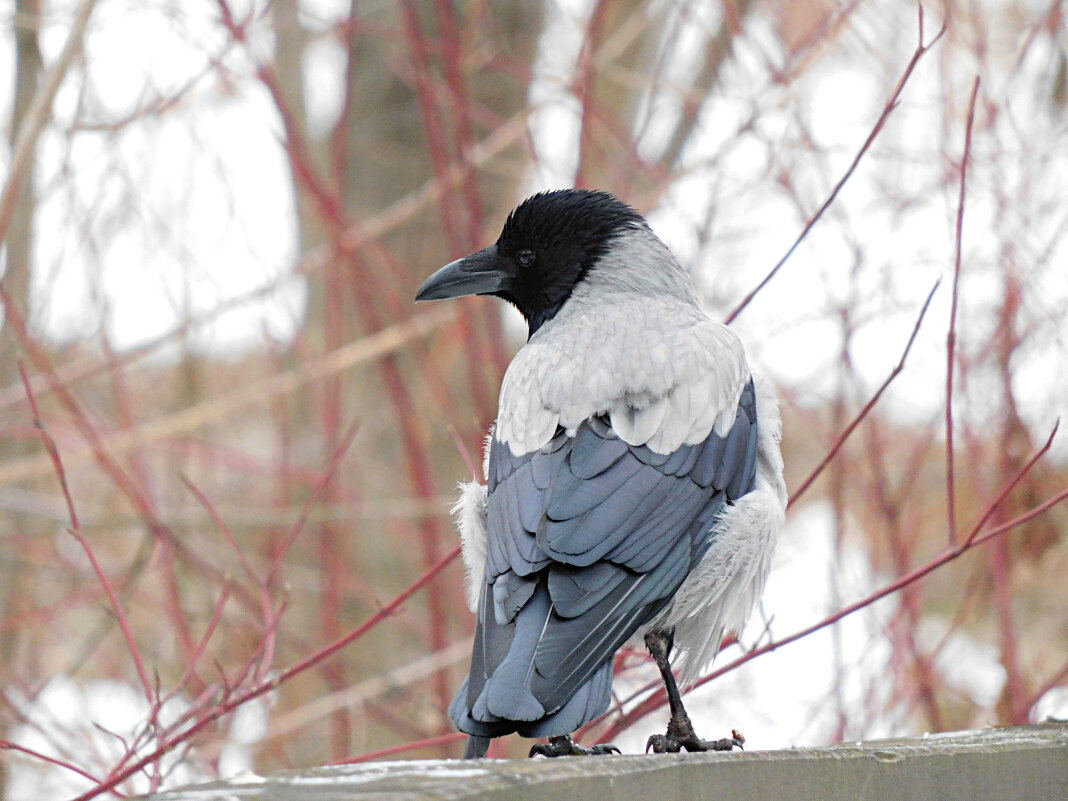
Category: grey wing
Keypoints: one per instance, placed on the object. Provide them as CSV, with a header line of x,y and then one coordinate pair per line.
x,y
588,539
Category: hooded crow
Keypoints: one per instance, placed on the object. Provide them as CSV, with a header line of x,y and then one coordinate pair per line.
x,y
634,484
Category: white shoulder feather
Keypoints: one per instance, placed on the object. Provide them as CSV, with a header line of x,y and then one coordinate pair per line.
x,y
664,372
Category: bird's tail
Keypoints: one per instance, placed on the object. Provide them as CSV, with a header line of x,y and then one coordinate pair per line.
x,y
476,746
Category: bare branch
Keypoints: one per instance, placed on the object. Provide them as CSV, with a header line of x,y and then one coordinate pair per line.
x,y
888,109
951,337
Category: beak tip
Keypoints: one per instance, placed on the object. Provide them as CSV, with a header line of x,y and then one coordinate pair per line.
x,y
476,274
430,290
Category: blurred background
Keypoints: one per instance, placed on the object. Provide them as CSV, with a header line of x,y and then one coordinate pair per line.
x,y
215,216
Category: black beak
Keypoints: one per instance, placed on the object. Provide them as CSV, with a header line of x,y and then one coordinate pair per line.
x,y
481,273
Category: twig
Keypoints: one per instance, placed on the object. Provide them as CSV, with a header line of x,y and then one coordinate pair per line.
x,y
234,701
7,745
198,652
98,448
38,115
219,524
1012,484
302,518
838,443
891,104
951,337
362,692
372,347
76,531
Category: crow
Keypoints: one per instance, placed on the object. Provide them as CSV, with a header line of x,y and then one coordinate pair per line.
x,y
634,484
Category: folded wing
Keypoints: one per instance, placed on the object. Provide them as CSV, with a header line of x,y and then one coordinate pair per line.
x,y
588,539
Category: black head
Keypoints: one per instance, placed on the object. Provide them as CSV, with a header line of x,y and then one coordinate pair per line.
x,y
548,245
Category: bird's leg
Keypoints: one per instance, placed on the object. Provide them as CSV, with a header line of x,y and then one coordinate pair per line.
x,y
680,733
563,745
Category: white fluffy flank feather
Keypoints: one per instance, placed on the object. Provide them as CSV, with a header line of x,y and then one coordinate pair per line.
x,y
470,513
721,592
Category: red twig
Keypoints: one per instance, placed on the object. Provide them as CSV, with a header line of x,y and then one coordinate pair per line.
x,y
76,532
7,745
219,524
438,150
270,615
302,518
1055,680
891,104
951,337
198,652
990,509
452,57
89,431
838,443
476,473
234,701
420,476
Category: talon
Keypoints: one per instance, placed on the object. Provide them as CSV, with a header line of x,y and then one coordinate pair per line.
x,y
563,745
662,744
602,749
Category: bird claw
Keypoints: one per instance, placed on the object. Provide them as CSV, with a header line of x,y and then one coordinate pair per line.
x,y
565,746
669,744
660,744
603,748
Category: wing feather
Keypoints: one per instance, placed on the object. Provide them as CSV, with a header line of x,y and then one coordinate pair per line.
x,y
589,537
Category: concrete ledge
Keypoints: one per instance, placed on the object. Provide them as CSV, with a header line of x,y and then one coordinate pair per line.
x,y
1010,764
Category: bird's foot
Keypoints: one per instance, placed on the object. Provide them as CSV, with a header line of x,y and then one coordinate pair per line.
x,y
680,733
675,741
565,746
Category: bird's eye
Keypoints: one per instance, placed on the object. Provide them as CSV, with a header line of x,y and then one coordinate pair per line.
x,y
526,257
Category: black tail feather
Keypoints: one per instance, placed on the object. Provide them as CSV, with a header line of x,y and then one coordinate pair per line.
x,y
476,747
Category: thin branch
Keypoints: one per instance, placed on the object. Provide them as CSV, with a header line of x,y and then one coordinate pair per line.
x,y
7,745
234,701
224,529
98,447
891,104
1012,484
76,532
951,337
198,652
39,114
362,692
370,348
869,405
302,518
